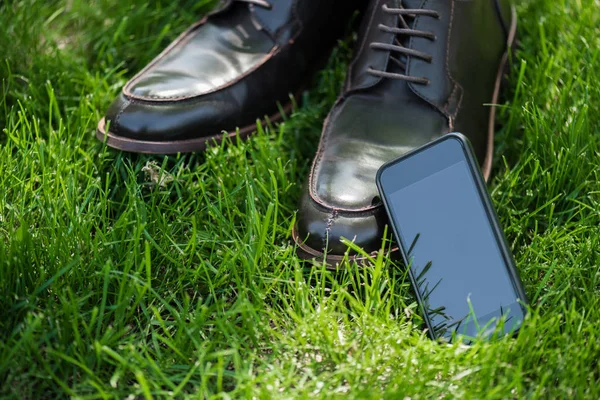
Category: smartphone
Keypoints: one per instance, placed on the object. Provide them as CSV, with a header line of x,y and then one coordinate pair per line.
x,y
447,230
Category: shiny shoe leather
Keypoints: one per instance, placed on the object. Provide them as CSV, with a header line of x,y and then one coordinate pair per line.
x,y
422,69
223,73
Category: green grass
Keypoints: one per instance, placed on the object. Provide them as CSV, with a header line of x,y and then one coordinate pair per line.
x,y
112,285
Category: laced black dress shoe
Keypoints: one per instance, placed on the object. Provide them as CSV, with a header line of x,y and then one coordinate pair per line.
x,y
225,72
423,69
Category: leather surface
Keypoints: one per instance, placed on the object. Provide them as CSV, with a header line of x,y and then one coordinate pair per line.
x,y
476,81
438,92
219,50
229,70
379,119
358,78
281,21
364,228
366,130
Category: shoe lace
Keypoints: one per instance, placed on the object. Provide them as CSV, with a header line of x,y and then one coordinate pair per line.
x,y
397,47
262,3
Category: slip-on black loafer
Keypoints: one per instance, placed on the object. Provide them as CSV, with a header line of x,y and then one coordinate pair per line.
x,y
422,69
237,65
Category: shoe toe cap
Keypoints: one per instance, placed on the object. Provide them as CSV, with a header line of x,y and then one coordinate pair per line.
x,y
342,200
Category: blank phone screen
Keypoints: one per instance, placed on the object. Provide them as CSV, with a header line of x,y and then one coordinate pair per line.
x,y
454,254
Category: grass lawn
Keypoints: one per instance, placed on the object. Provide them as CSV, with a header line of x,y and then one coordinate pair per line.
x,y
136,276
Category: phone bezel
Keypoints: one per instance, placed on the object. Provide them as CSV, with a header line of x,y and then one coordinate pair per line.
x,y
475,171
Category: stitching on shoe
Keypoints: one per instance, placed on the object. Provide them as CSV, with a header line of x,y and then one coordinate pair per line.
x,y
328,224
320,151
222,105
336,257
450,26
454,89
126,104
340,212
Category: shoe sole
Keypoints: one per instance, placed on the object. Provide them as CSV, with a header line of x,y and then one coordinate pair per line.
x,y
331,261
179,146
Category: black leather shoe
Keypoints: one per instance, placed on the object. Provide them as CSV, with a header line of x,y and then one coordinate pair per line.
x,y
225,72
423,69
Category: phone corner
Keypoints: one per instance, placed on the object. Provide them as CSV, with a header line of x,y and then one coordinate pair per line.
x,y
458,136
